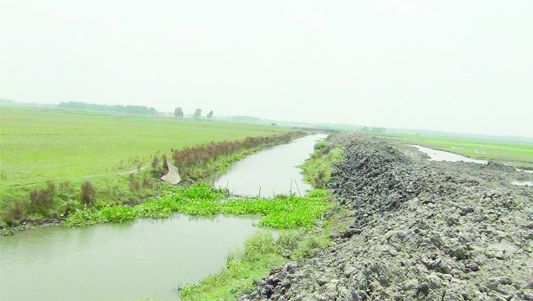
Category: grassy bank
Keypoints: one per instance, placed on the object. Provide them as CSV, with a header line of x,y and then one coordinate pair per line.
x,y
57,199
317,169
519,154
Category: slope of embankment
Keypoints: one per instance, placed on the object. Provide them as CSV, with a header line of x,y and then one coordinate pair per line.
x,y
422,231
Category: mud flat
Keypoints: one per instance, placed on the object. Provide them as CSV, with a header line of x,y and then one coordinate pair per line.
x,y
423,230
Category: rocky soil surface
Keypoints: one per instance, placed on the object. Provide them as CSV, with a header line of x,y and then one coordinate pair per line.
x,y
423,231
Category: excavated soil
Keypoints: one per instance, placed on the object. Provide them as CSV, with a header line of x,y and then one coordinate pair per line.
x,y
423,231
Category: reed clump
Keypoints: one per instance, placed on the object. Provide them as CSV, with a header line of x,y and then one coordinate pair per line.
x,y
88,193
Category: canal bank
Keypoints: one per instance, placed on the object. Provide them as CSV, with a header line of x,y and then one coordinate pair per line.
x,y
119,261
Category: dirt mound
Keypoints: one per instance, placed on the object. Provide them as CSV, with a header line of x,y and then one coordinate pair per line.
x,y
423,231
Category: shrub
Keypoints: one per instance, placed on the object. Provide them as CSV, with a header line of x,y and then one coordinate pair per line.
x,y
134,183
88,193
147,182
51,186
41,200
15,209
320,144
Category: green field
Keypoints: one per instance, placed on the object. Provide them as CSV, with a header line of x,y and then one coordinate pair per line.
x,y
40,145
515,153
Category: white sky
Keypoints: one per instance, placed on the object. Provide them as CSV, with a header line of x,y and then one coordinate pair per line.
x,y
454,65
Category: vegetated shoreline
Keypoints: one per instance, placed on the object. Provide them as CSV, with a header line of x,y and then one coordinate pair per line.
x,y
196,164
292,241
420,231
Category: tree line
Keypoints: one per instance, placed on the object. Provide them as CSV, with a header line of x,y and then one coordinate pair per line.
x,y
143,110
178,113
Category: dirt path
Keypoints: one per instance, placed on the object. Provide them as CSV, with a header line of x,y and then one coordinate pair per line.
x,y
79,178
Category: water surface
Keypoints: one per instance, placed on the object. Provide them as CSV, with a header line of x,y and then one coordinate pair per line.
x,y
438,155
272,171
146,258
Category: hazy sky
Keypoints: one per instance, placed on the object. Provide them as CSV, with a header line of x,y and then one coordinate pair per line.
x,y
454,65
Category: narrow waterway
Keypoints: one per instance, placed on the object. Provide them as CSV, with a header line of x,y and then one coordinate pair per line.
x,y
146,258
272,171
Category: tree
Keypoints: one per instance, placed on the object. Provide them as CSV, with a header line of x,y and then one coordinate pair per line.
x,y
178,112
210,115
197,114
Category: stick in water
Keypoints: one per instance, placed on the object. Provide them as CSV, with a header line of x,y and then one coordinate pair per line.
x,y
290,191
298,188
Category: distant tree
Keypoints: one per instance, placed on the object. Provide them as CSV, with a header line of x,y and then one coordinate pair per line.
x,y
210,115
178,112
197,114
107,108
153,111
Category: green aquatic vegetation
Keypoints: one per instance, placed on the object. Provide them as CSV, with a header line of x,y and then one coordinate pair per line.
x,y
283,212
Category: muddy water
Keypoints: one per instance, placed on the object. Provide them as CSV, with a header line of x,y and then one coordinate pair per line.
x,y
438,155
146,258
270,171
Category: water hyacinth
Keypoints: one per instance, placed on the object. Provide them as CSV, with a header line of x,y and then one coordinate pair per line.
x,y
203,199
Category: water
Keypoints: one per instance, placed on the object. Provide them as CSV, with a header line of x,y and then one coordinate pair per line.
x,y
522,183
271,170
438,155
146,258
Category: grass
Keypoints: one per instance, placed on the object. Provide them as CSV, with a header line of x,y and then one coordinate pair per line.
x,y
40,145
63,154
204,199
57,201
317,169
519,154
